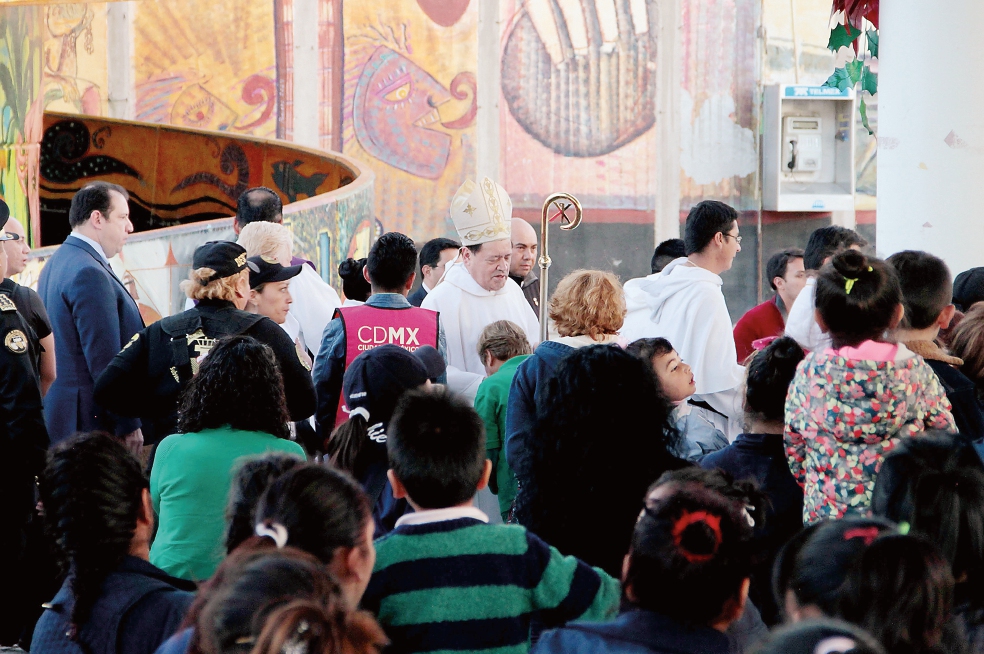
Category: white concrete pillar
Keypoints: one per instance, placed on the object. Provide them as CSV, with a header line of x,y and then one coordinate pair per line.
x,y
306,73
487,117
668,123
931,130
119,60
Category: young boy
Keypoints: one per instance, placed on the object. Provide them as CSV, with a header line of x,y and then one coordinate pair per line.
x,y
927,289
445,579
502,347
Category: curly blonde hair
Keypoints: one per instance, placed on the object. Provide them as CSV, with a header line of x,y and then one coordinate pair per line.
x,y
223,288
589,303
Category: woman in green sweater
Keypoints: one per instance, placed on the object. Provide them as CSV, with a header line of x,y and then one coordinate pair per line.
x,y
233,408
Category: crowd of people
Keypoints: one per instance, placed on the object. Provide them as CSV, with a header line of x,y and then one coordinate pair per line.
x,y
275,470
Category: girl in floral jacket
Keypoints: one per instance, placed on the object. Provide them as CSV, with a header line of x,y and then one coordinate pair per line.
x,y
850,404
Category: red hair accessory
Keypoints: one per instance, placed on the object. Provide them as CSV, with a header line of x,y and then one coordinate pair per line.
x,y
760,344
688,518
867,534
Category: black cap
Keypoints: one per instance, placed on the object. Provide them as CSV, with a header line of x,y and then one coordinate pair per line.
x,y
4,212
433,361
267,269
968,288
224,257
377,378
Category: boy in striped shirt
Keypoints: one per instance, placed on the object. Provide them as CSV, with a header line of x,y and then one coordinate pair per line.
x,y
445,579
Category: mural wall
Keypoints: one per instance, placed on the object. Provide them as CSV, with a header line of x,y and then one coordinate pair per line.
x,y
21,38
579,103
207,64
409,105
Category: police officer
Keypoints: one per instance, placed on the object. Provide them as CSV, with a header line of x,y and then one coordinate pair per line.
x,y
27,300
23,443
146,378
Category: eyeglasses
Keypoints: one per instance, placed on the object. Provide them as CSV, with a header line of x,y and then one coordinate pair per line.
x,y
737,238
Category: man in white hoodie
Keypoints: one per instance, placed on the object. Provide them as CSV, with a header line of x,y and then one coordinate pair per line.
x,y
684,304
477,291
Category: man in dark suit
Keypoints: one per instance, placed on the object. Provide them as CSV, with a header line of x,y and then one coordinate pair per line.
x,y
435,254
91,313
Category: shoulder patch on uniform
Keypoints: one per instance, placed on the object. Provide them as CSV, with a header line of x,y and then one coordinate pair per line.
x,y
16,341
6,304
302,358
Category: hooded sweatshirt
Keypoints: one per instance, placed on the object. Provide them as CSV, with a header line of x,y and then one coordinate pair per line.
x,y
466,309
684,304
844,415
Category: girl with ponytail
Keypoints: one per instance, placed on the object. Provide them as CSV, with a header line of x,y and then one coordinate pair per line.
x,y
685,580
849,404
373,384
284,601
759,454
97,509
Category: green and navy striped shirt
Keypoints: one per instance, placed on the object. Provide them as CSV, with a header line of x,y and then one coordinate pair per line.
x,y
467,586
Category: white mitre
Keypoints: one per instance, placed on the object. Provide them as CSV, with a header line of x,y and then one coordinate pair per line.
x,y
481,212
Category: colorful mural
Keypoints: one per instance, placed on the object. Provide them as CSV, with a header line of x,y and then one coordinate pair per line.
x,y
75,71
20,117
409,105
578,103
208,64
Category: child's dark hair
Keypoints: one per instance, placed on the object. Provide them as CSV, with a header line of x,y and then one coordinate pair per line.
x,y
745,493
857,297
92,493
785,565
648,349
436,448
927,287
354,284
320,508
283,599
822,635
769,374
901,592
238,384
828,241
248,485
689,555
826,557
934,484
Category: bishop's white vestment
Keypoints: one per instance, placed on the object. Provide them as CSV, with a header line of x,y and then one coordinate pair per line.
x,y
466,309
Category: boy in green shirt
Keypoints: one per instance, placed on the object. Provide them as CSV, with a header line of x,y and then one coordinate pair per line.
x,y
446,580
502,347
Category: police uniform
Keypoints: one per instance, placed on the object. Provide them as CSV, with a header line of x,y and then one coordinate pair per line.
x,y
23,444
146,378
29,305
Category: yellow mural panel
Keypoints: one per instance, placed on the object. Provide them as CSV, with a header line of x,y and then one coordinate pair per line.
x,y
208,64
409,109
75,71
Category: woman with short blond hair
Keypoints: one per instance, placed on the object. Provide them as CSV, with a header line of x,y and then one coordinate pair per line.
x,y
587,308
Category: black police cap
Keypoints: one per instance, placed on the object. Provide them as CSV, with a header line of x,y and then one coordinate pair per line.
x,y
224,257
263,270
